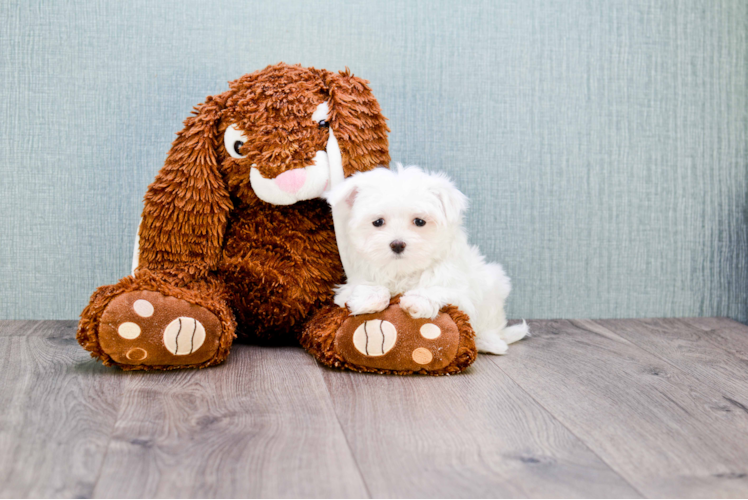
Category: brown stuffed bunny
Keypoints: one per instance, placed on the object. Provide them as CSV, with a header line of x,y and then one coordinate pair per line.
x,y
235,239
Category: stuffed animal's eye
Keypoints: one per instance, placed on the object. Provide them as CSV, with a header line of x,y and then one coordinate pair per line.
x,y
321,114
419,222
378,223
233,140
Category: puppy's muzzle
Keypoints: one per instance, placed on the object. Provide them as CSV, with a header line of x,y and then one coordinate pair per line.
x,y
398,246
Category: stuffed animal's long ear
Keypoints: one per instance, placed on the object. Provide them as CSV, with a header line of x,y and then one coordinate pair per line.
x,y
187,206
453,202
357,122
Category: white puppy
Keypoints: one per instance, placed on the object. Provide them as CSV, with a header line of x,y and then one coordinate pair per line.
x,y
400,232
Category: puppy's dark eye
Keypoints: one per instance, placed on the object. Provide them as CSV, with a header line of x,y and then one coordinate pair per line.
x,y
237,147
323,124
419,222
378,223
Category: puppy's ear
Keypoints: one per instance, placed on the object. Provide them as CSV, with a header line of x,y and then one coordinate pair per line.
x,y
453,202
345,192
187,206
357,122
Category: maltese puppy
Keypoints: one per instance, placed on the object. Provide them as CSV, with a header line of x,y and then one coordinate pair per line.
x,y
400,232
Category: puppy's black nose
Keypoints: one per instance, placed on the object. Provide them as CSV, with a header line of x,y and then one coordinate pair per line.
x,y
397,246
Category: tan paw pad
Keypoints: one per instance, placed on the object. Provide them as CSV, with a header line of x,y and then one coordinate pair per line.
x,y
422,356
430,331
137,354
128,330
143,308
375,337
184,336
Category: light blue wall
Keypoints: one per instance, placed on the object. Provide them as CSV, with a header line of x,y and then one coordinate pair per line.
x,y
603,144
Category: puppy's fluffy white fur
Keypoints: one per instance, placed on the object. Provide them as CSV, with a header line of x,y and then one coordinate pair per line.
x,y
437,265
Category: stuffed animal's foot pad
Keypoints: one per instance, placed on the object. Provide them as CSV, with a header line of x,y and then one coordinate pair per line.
x,y
147,328
394,341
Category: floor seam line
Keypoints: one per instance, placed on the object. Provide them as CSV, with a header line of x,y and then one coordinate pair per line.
x,y
561,422
666,361
707,338
109,441
342,431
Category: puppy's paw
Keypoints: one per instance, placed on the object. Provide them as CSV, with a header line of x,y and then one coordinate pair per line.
x,y
419,306
491,343
367,299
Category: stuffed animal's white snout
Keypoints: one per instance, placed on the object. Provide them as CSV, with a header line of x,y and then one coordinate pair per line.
x,y
306,183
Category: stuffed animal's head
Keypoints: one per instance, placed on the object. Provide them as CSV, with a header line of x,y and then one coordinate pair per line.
x,y
281,135
288,133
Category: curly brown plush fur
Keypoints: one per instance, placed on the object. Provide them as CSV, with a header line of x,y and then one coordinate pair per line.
x,y
204,230
189,205
279,266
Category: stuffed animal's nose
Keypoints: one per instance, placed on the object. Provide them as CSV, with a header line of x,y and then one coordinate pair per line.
x,y
291,180
397,246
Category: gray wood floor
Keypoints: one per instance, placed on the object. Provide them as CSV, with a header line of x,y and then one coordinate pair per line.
x,y
616,408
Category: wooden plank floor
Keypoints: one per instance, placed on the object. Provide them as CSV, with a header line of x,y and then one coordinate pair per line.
x,y
616,408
